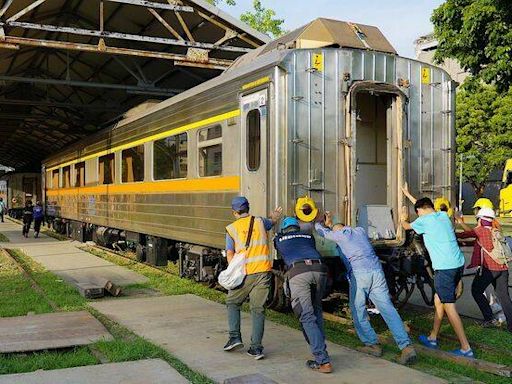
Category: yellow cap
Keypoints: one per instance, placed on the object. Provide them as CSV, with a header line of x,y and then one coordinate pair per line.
x,y
443,201
483,203
306,209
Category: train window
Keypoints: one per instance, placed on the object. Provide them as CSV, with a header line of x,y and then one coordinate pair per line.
x,y
133,164
55,178
253,140
80,174
106,169
170,157
66,177
48,179
210,151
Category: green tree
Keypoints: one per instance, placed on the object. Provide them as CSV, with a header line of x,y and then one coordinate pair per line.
x,y
216,2
484,131
477,33
264,20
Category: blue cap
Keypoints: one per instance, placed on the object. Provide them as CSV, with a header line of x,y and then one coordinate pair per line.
x,y
289,222
239,203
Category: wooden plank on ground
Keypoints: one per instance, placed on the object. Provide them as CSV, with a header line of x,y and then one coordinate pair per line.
x,y
50,331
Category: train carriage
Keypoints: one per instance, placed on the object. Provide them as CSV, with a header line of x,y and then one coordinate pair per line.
x,y
329,111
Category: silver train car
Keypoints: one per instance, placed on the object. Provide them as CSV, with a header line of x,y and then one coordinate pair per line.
x,y
329,111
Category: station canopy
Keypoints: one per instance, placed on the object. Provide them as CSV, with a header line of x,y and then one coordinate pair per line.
x,y
71,67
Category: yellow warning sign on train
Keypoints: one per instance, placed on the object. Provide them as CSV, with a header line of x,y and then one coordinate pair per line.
x,y
318,62
425,75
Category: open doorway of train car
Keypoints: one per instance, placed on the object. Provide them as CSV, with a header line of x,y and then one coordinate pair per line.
x,y
254,156
376,163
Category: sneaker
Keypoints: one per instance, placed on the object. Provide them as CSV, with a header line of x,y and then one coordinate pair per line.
x,y
459,352
432,344
322,368
374,350
233,343
257,353
408,355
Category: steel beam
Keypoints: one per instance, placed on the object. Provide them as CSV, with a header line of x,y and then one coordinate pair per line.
x,y
89,84
124,36
5,7
150,4
56,104
26,10
211,63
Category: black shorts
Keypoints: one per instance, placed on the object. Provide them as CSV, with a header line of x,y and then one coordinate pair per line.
x,y
445,283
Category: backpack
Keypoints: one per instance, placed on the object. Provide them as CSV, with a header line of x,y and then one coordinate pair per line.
x,y
501,252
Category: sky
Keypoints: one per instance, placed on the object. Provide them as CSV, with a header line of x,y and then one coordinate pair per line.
x,y
401,21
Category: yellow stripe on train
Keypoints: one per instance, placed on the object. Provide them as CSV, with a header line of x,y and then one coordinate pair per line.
x,y
214,184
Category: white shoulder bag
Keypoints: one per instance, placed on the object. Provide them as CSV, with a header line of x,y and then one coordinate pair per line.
x,y
233,276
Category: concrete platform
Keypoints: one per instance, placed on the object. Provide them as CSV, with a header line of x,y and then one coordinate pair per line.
x,y
153,371
67,261
194,330
50,331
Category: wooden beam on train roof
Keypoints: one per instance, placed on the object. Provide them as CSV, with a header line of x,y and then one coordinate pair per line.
x,y
122,36
212,63
165,24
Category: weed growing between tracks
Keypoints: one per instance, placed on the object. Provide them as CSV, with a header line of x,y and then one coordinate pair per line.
x,y
3,238
172,284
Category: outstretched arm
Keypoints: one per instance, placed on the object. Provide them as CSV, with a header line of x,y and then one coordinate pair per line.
x,y
276,215
405,190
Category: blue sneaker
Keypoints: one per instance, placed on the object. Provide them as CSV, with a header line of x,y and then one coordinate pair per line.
x,y
459,352
432,344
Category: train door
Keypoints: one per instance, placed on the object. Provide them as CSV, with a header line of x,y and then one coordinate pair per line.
x,y
254,159
376,128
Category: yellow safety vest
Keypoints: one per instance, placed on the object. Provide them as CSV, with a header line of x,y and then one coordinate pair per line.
x,y
258,253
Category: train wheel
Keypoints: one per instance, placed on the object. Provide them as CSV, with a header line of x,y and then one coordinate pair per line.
x,y
425,283
401,289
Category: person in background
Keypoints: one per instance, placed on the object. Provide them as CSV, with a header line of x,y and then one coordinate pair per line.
x,y
3,208
307,282
448,264
367,281
256,285
38,218
490,272
28,214
482,203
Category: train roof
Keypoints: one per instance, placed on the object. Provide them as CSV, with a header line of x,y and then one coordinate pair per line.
x,y
321,33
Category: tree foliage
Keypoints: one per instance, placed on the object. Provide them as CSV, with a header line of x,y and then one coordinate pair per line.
x,y
484,131
264,20
260,18
477,33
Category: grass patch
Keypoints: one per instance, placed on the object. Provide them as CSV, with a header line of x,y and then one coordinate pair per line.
x,y
342,334
3,238
58,291
19,297
20,363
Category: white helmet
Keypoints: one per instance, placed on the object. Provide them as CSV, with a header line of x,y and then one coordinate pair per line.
x,y
486,213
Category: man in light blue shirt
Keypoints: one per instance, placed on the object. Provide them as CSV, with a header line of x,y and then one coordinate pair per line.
x,y
367,280
448,263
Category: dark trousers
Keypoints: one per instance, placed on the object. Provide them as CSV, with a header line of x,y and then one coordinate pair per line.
x,y
306,292
2,214
37,225
499,279
27,222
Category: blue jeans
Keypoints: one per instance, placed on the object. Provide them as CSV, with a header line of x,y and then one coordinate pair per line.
x,y
372,284
306,292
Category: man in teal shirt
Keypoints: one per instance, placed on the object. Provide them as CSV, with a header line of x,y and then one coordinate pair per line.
x,y
448,263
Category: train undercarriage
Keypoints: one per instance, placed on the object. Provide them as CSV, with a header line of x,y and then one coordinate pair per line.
x,y
406,267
